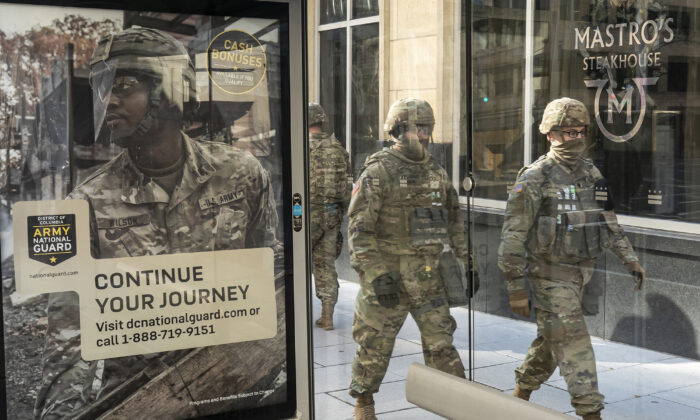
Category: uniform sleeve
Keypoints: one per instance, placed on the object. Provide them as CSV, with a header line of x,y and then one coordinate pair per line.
x,y
456,228
522,208
366,202
348,182
619,243
94,237
262,225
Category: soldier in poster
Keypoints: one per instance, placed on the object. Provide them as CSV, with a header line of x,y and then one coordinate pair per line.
x,y
164,194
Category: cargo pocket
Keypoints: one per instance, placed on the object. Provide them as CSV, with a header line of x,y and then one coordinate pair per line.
x,y
230,229
593,233
574,237
546,233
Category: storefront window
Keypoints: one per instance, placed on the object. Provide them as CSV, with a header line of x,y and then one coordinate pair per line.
x,y
632,65
498,41
333,79
333,10
365,93
364,8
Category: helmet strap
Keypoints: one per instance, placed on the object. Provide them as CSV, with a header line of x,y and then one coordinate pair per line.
x,y
146,122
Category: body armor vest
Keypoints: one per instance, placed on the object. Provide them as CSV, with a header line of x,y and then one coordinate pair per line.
x,y
413,218
568,225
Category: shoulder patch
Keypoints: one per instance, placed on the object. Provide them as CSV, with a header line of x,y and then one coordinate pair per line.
x,y
518,187
355,187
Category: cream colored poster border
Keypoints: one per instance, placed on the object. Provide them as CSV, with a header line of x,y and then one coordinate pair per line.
x,y
149,304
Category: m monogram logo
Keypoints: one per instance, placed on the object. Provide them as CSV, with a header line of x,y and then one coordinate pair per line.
x,y
625,105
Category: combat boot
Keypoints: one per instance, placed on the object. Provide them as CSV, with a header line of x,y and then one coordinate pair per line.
x,y
364,409
592,416
326,320
523,394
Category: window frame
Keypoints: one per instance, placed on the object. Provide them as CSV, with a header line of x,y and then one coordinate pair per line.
x,y
348,24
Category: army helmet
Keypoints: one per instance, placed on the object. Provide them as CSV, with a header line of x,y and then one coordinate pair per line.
x,y
564,112
148,52
408,113
316,116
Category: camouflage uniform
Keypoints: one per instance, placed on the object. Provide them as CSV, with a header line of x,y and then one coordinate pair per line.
x,y
221,199
330,181
401,214
558,220
223,202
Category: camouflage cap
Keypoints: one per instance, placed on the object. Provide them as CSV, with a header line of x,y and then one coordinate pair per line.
x,y
409,112
564,112
317,116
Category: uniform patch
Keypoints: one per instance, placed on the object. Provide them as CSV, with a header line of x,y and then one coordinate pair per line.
x,y
124,222
355,187
517,187
218,200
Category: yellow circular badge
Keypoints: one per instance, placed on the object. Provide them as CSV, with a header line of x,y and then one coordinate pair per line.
x,y
236,61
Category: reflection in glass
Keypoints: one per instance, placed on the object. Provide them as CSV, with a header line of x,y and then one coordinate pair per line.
x,y
332,75
365,130
497,134
648,156
333,10
364,8
647,152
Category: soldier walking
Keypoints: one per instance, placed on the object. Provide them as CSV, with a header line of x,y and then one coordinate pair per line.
x,y
164,194
403,210
559,219
330,180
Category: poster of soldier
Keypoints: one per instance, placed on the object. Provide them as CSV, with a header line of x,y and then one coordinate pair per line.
x,y
143,248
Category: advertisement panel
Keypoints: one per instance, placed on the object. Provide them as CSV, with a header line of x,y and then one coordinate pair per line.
x,y
143,248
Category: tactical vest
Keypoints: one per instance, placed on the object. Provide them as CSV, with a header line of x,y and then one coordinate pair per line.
x,y
413,217
327,167
568,225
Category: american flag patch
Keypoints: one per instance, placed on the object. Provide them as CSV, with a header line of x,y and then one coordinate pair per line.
x,y
355,187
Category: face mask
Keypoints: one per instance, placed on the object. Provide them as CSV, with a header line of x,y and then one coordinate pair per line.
x,y
569,151
411,147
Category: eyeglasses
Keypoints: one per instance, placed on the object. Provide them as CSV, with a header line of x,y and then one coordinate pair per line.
x,y
573,134
121,86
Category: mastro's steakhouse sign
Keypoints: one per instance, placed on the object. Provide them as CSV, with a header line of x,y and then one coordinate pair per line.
x,y
627,45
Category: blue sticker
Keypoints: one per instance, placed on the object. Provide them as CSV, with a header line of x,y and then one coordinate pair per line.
x,y
296,210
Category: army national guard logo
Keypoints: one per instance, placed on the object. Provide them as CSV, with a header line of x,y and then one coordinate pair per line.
x,y
51,238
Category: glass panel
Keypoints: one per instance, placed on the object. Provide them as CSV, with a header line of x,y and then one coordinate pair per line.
x,y
498,43
333,10
365,93
405,211
126,146
640,138
364,8
333,80
554,297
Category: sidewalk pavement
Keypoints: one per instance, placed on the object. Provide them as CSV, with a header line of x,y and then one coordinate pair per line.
x,y
638,384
